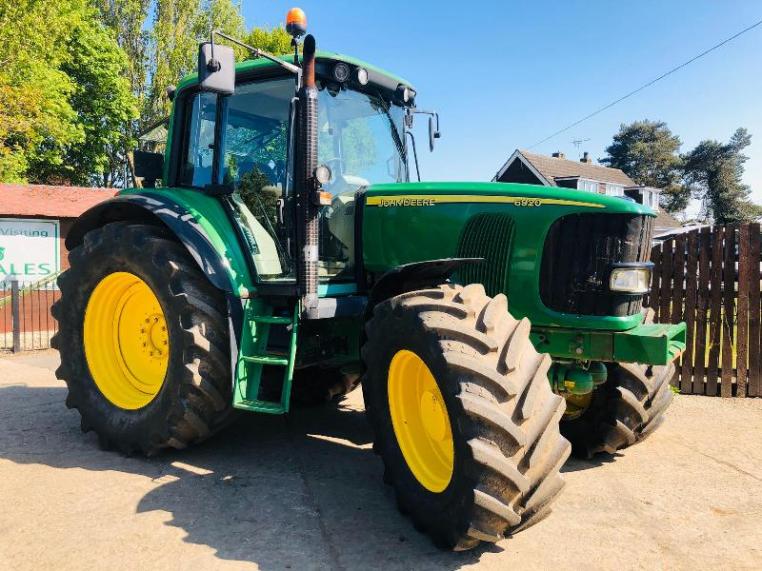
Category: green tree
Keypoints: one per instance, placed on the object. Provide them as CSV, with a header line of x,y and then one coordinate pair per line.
x,y
647,152
178,27
172,49
713,171
63,98
105,106
69,90
127,21
36,121
276,40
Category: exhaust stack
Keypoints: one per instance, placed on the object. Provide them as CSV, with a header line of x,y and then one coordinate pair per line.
x,y
307,212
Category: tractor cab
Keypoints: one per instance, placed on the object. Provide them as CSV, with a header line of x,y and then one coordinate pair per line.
x,y
242,141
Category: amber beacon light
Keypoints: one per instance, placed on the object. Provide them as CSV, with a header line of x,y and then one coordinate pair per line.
x,y
296,22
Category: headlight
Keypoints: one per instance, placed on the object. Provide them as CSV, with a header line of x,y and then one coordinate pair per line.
x,y
630,280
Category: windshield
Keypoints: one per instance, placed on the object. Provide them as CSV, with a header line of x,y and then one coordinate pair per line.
x,y
360,138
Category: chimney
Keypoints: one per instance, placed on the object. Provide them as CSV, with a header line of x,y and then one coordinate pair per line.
x,y
586,158
559,155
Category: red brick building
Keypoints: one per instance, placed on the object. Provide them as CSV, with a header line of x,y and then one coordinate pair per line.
x,y
34,223
59,205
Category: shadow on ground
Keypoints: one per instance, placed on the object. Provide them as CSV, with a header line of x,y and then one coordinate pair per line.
x,y
297,492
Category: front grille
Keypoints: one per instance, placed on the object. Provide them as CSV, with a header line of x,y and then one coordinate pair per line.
x,y
577,258
487,236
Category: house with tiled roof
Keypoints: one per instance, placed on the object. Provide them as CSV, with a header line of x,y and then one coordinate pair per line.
x,y
556,170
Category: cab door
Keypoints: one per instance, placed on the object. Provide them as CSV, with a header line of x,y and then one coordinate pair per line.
x,y
254,160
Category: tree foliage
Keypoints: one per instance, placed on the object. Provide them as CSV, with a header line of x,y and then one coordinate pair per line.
x,y
76,91
63,93
713,172
178,26
127,19
648,153
104,104
276,41
36,122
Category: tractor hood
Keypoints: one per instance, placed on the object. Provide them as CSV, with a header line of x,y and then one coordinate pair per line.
x,y
512,226
522,195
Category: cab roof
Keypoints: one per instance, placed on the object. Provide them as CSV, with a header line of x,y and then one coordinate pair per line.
x,y
262,65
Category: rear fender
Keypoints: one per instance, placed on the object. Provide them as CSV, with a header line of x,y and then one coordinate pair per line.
x,y
201,225
225,271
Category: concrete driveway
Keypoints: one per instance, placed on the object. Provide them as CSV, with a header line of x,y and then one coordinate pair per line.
x,y
305,492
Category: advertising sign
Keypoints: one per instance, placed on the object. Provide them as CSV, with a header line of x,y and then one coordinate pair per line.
x,y
29,250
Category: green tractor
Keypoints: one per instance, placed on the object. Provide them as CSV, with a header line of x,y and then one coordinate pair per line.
x,y
286,255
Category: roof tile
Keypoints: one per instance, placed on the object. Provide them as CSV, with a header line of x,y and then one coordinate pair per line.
x,y
49,201
552,168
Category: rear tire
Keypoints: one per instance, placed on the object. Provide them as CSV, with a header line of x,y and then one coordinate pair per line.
x,y
194,399
507,449
316,385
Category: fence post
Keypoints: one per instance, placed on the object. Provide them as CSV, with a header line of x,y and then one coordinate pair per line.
x,y
15,319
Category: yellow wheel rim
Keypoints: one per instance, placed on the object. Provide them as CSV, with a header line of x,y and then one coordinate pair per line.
x,y
420,420
126,340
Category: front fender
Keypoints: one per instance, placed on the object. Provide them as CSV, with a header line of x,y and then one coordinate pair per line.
x,y
416,275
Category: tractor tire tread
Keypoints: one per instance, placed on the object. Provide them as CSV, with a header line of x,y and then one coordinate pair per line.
x,y
624,410
509,416
202,404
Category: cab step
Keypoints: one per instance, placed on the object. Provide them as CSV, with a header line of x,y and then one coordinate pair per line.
x,y
255,354
266,360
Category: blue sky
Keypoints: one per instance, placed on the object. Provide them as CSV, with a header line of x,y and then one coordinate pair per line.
x,y
507,74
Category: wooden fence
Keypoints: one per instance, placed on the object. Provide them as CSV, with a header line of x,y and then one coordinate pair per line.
x,y
710,278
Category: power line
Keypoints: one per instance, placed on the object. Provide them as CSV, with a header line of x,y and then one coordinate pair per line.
x,y
650,83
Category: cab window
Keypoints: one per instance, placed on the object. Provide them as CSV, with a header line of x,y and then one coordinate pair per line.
x,y
197,155
254,160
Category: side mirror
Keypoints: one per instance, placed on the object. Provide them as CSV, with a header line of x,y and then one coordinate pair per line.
x,y
149,167
433,130
216,68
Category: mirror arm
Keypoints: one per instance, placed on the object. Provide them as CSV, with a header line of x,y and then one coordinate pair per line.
x,y
415,155
425,112
257,52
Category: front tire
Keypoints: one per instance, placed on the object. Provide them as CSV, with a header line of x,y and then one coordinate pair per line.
x,y
463,415
627,408
143,341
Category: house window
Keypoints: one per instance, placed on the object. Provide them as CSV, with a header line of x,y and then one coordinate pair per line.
x,y
589,185
651,199
614,189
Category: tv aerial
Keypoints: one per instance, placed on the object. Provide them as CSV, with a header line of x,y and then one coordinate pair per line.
x,y
578,144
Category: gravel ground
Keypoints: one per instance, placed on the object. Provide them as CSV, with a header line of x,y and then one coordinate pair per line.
x,y
305,492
